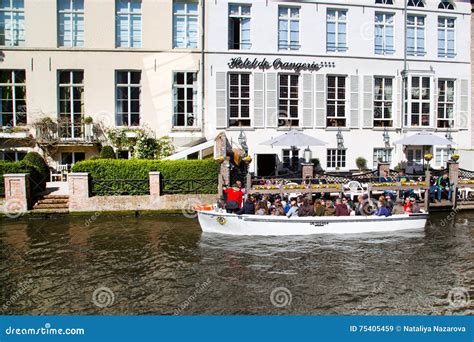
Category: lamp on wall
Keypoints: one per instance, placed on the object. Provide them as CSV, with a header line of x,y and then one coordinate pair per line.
x,y
386,138
450,147
340,139
243,141
308,155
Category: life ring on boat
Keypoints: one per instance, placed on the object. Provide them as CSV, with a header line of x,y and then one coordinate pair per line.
x,y
203,207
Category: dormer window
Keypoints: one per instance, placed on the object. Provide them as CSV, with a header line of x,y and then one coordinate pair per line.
x,y
384,2
446,5
416,3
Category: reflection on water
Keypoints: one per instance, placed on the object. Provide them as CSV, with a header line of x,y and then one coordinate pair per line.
x,y
165,265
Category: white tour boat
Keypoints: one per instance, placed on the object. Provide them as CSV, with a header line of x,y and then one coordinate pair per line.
x,y
212,221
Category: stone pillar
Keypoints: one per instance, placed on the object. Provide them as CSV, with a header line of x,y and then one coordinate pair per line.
x,y
307,170
79,185
155,183
453,170
382,167
17,191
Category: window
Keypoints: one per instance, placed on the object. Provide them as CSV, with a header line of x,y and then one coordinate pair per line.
x,y
383,102
384,2
185,99
12,23
239,27
382,155
70,158
445,117
128,85
336,101
239,100
288,100
336,31
446,27
288,28
442,156
384,34
129,23
336,158
446,5
71,23
185,25
124,154
415,3
417,101
290,158
415,35
12,156
13,98
71,103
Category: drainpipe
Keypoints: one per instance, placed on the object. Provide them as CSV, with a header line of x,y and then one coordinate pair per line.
x,y
404,80
203,29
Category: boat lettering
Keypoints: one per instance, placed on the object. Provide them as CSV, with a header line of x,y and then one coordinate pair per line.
x,y
319,223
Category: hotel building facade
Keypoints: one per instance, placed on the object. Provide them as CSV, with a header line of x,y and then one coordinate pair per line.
x,y
358,75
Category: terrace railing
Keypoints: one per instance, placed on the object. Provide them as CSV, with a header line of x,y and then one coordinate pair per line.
x,y
120,187
189,186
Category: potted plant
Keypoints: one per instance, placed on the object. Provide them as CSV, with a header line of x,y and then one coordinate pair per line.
x,y
88,129
428,157
455,157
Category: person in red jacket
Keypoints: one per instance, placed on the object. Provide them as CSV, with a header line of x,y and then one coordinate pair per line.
x,y
233,199
341,208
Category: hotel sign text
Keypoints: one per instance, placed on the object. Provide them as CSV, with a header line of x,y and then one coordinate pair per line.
x,y
277,64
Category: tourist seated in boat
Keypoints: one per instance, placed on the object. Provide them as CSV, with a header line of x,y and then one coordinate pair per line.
x,y
444,187
248,208
363,206
330,210
350,206
306,208
234,198
341,208
293,212
398,207
389,202
261,208
415,208
277,207
319,208
383,209
407,206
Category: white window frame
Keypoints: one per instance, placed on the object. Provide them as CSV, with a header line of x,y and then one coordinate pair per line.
x,y
70,86
383,153
284,116
384,24
129,87
71,15
73,154
446,5
289,154
339,46
16,153
240,99
15,32
415,3
444,30
289,18
240,16
416,25
338,102
186,15
14,99
385,101
336,158
128,13
185,86
442,155
409,101
443,105
384,2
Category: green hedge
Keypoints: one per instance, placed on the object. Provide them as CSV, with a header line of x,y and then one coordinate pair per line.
x,y
110,169
33,164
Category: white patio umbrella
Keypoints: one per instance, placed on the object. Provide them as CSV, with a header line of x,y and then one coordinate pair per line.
x,y
294,138
424,139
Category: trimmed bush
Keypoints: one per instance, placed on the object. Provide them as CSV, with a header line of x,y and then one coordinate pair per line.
x,y
107,152
35,159
138,169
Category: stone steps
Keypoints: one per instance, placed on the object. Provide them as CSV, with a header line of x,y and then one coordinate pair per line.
x,y
52,204
50,211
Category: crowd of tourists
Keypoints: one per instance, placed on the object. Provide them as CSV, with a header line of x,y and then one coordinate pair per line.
x,y
237,201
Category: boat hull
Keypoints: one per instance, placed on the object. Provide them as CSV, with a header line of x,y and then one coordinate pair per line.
x,y
223,223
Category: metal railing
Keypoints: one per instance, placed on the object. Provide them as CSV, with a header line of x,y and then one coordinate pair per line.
x,y
120,187
189,186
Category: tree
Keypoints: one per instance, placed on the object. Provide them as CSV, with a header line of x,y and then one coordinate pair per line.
x,y
107,152
361,163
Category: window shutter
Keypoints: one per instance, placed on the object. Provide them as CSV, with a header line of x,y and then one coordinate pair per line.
x,y
462,119
368,101
221,100
272,100
435,103
321,101
258,99
308,100
399,104
354,120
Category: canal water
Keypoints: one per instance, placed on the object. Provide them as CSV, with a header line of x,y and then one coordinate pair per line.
x,y
111,265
